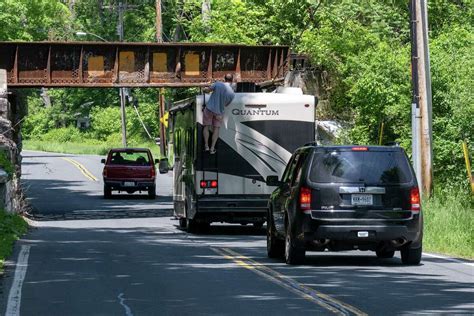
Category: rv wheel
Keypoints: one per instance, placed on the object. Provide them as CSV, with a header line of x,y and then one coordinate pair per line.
x,y
191,226
182,222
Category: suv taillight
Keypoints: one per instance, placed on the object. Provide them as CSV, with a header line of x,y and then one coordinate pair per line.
x,y
305,200
153,172
104,173
415,199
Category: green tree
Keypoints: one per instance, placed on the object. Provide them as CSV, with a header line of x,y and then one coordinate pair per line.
x,y
36,20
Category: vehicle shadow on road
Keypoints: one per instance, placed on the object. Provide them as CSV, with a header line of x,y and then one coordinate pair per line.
x,y
229,230
60,199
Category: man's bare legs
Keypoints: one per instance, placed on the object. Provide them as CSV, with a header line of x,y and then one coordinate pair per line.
x,y
205,133
215,136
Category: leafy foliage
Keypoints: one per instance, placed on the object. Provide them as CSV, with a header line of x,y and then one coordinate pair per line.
x,y
33,20
6,164
12,226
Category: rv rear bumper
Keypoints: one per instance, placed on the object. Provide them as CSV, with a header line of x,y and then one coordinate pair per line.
x,y
231,209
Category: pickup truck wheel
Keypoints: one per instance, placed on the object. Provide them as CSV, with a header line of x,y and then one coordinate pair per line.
x,y
411,256
385,254
107,192
152,192
275,246
294,253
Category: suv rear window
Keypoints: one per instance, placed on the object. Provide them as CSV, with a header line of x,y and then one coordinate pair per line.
x,y
370,167
133,158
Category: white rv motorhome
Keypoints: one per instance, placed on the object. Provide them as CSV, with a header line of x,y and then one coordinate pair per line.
x,y
259,133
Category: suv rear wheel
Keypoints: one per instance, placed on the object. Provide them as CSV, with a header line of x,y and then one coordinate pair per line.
x,y
294,253
411,256
275,246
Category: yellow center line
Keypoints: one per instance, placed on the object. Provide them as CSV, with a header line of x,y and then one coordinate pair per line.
x,y
323,300
81,168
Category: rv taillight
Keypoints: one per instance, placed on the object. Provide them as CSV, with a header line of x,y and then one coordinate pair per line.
x,y
214,184
359,149
305,199
415,199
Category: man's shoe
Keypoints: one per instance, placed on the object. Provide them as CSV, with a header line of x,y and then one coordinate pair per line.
x,y
213,151
206,149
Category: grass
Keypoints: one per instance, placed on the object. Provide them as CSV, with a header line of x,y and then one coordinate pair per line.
x,y
449,224
12,226
83,148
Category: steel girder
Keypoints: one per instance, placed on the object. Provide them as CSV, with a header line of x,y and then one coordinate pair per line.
x,y
118,64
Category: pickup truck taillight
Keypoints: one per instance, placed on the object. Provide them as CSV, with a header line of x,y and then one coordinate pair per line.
x,y
153,172
104,173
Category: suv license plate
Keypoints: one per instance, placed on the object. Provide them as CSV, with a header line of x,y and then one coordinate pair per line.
x,y
129,184
362,199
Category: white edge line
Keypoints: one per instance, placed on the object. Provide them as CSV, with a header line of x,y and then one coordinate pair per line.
x,y
14,298
449,259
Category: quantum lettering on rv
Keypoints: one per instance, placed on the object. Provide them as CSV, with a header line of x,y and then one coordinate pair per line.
x,y
255,112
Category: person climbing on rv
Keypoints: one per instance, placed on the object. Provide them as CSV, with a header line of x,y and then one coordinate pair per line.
x,y
222,95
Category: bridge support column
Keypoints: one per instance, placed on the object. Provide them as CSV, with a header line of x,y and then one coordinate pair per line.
x,y
10,159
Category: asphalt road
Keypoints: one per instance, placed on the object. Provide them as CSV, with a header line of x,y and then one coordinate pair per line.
x,y
83,257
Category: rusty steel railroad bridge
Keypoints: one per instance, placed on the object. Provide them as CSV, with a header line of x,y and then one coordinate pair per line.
x,y
119,64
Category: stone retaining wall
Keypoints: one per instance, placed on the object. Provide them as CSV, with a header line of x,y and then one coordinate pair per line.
x,y
10,137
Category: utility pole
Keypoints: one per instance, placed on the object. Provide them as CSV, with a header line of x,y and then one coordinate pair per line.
x,y
123,114
159,22
161,98
421,106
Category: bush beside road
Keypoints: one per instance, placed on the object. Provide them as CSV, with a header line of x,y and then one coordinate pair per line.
x,y
85,147
12,226
449,224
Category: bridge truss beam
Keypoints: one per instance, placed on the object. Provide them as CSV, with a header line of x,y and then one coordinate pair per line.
x,y
98,64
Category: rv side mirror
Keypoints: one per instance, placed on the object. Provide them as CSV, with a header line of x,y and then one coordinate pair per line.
x,y
102,161
272,181
164,166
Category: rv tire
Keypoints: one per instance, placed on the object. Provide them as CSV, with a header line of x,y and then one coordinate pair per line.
x,y
182,222
191,226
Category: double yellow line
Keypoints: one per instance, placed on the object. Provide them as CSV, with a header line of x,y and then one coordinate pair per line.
x,y
82,169
329,303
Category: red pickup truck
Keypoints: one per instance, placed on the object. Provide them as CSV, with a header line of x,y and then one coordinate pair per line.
x,y
129,170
